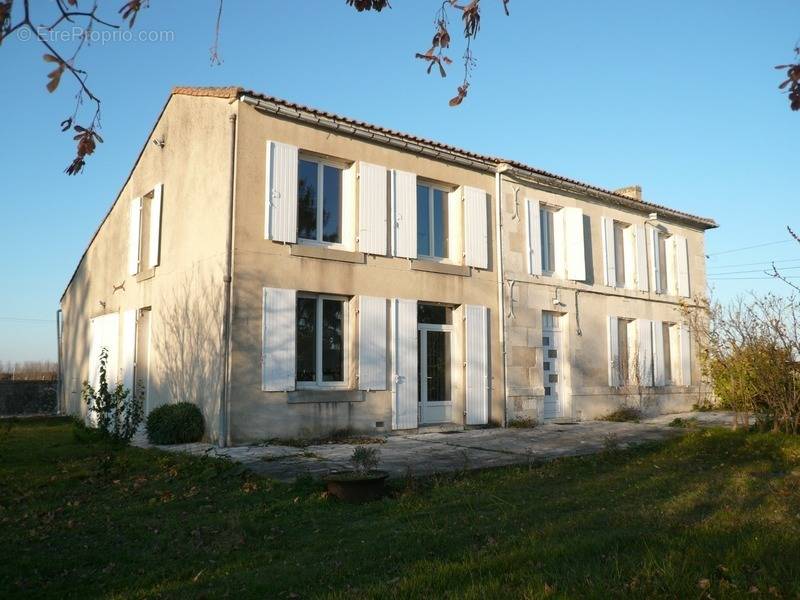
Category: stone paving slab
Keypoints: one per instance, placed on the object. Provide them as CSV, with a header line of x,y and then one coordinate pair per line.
x,y
428,453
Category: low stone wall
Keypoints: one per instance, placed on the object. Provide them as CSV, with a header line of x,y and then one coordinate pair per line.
x,y
28,397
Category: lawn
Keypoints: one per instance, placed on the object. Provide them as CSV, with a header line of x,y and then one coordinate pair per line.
x,y
711,514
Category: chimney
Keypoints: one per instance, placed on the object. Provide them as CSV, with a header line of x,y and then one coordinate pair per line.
x,y
631,191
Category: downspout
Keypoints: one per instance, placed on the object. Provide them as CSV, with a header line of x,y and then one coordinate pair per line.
x,y
59,376
227,299
501,313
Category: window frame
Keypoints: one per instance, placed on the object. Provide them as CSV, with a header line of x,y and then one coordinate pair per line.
x,y
318,382
321,162
545,239
432,186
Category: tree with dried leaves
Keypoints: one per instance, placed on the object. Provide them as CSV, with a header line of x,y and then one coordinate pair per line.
x,y
16,15
750,354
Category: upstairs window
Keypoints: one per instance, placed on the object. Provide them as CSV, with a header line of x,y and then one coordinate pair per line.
x,y
320,341
620,251
319,201
144,236
432,222
547,230
662,261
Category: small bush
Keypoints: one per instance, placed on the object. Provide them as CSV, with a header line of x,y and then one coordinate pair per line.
x,y
179,423
624,414
523,423
365,460
682,423
116,412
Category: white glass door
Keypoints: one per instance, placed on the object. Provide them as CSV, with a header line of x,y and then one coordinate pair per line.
x,y
435,402
551,365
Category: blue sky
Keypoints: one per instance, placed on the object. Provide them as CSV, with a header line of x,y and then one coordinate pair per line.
x,y
679,97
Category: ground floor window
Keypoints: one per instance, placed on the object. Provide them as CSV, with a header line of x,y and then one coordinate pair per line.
x,y
625,361
320,341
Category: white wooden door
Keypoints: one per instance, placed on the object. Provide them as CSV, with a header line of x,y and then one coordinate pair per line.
x,y
435,368
552,366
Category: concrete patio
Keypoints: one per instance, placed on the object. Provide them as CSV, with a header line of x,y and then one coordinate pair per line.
x,y
428,453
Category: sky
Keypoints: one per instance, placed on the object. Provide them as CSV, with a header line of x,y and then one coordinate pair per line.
x,y
680,98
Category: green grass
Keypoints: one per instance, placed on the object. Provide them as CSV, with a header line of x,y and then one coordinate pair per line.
x,y
710,514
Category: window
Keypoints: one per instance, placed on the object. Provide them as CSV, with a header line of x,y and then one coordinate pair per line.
x,y
144,231
432,218
144,242
624,367
434,314
619,252
319,201
546,228
667,335
662,261
321,326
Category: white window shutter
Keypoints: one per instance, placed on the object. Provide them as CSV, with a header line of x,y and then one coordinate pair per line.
x,y
280,207
478,375
372,208
155,226
658,353
404,214
613,352
476,228
559,244
642,273
609,256
372,343
128,348
682,265
657,266
278,340
455,222
575,256
405,410
110,341
645,352
134,226
534,236
95,344
686,355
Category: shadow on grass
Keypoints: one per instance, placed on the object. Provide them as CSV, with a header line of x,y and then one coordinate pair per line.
x,y
713,508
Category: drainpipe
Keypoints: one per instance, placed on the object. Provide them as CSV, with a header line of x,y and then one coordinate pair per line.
x,y
227,297
498,185
59,385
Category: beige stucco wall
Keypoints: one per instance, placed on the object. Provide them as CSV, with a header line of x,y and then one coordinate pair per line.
x,y
185,290
586,339
255,414
185,293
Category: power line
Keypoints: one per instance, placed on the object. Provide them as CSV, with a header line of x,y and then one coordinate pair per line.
x,y
750,271
742,278
760,262
749,247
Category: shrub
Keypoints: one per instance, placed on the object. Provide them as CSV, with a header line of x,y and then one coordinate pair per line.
x,y
179,423
118,413
365,460
624,414
523,423
749,351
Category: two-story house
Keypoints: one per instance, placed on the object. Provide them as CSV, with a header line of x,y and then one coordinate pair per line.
x,y
294,272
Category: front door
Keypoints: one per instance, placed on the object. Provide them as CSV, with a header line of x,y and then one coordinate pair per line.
x,y
551,365
435,403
